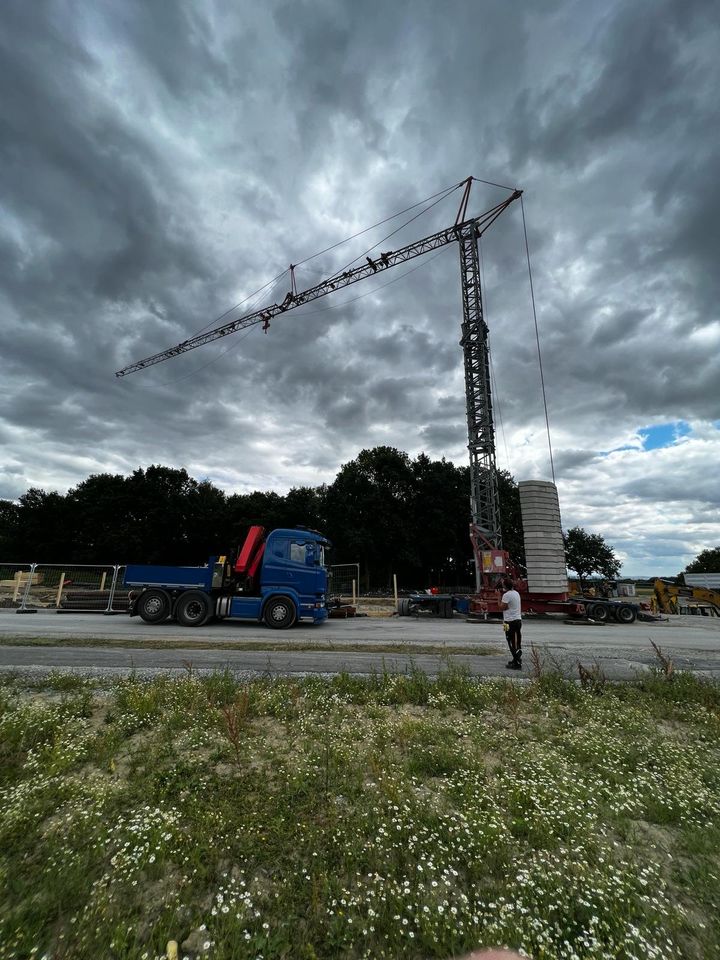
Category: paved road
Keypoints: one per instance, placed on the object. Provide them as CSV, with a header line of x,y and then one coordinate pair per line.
x,y
358,646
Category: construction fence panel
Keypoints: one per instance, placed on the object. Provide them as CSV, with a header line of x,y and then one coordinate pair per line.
x,y
71,587
342,576
14,579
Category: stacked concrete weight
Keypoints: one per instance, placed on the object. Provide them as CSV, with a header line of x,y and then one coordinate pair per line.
x,y
544,549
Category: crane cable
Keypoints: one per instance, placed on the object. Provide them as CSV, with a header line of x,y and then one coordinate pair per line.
x,y
334,306
436,197
236,341
250,296
446,191
441,194
423,263
537,340
445,194
490,183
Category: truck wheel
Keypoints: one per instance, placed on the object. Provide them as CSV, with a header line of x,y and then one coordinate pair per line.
x,y
403,607
625,614
598,612
448,609
279,613
193,609
153,606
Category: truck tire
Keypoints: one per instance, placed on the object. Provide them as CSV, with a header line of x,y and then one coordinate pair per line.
x,y
447,609
193,609
153,606
279,613
599,612
625,614
403,607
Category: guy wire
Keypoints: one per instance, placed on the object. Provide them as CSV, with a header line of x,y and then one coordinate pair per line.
x,y
537,340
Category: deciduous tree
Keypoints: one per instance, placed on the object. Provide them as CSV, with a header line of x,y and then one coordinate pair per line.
x,y
441,521
368,509
511,516
587,553
9,530
707,561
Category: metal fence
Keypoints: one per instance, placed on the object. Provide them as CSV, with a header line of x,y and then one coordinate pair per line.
x,y
13,581
98,588
28,587
344,580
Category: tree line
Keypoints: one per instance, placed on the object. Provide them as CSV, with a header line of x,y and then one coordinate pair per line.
x,y
384,510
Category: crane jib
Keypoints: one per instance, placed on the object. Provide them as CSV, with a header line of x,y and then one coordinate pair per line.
x,y
474,228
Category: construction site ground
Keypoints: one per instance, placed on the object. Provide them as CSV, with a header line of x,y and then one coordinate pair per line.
x,y
117,645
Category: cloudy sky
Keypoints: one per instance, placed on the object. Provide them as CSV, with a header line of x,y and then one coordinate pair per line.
x,y
163,161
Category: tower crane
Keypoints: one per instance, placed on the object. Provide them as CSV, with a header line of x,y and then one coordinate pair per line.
x,y
484,501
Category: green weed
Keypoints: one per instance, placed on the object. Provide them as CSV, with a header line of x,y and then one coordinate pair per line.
x,y
392,816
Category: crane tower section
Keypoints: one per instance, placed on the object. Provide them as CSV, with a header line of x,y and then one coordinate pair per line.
x,y
484,501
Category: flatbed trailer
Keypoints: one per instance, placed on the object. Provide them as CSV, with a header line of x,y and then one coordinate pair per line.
x,y
486,604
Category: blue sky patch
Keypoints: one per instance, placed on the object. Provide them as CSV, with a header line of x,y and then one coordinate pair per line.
x,y
664,434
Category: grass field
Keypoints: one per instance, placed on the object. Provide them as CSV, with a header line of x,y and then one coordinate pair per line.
x,y
394,816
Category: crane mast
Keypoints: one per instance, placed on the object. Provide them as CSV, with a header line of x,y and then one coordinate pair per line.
x,y
485,508
484,500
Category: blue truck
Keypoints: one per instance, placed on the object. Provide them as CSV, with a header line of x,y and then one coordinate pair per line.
x,y
277,579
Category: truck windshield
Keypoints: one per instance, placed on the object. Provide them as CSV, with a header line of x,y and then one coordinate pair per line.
x,y
309,553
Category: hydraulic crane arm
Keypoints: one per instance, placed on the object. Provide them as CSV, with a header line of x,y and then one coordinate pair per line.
x,y
474,227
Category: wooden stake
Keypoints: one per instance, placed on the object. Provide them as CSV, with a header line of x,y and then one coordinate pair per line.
x,y
60,589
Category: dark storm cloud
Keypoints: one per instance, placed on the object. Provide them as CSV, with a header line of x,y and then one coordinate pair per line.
x,y
439,438
163,161
632,79
409,346
79,178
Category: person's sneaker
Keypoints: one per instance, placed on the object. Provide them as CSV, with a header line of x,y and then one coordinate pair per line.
x,y
512,665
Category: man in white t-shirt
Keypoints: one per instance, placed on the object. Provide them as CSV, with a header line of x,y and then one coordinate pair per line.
x,y
512,623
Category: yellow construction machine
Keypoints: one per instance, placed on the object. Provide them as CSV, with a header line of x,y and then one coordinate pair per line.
x,y
673,598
